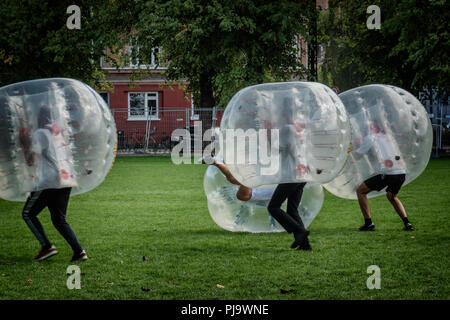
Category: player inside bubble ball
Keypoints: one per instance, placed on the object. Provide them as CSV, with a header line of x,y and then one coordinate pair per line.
x,y
53,187
390,171
289,220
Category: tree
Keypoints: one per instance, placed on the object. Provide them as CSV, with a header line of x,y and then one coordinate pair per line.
x,y
411,50
218,47
423,30
36,43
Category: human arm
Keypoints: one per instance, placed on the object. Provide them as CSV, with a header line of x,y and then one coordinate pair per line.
x,y
224,169
364,147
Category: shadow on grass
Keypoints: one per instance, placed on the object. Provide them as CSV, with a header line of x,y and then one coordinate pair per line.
x,y
13,260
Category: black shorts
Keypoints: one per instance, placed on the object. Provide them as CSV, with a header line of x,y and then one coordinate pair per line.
x,y
392,181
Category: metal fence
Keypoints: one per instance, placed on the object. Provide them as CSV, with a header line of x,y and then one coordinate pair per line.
x,y
153,135
439,114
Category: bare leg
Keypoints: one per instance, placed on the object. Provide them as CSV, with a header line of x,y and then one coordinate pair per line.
x,y
397,204
244,193
361,193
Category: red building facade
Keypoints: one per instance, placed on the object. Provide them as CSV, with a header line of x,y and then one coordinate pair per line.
x,y
153,107
150,107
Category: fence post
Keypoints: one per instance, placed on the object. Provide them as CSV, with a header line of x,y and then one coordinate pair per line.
x,y
214,118
440,126
187,120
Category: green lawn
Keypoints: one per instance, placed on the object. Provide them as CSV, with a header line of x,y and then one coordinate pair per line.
x,y
148,207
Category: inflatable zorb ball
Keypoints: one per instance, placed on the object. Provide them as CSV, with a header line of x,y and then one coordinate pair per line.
x,y
54,133
285,132
391,134
252,216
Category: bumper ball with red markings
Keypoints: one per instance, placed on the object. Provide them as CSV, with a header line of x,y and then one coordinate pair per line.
x,y
391,134
285,132
54,133
252,216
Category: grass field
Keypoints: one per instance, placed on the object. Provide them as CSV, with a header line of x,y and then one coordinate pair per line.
x,y
148,207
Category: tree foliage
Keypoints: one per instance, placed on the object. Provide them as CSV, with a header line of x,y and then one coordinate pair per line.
x,y
222,46
410,50
36,43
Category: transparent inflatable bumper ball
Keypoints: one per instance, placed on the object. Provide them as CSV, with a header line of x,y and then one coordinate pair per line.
x,y
285,132
54,133
252,216
391,133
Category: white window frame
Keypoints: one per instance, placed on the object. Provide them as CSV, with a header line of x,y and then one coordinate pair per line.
x,y
131,65
320,55
145,66
153,62
146,108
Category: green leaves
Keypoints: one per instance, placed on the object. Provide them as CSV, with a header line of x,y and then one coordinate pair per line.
x,y
221,46
408,51
35,33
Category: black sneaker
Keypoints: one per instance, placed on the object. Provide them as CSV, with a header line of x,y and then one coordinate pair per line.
x,y
45,254
408,227
299,238
367,227
305,245
79,257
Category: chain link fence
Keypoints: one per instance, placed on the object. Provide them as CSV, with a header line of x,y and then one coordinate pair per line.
x,y
153,135
439,114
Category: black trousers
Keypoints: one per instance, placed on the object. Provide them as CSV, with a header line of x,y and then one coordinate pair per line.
x,y
56,200
289,220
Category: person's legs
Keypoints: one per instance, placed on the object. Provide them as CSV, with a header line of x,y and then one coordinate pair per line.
x,y
292,210
291,225
395,182
397,204
398,207
35,203
294,201
58,207
361,193
262,195
279,196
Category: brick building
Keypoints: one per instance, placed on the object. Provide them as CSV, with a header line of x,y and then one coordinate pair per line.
x,y
147,111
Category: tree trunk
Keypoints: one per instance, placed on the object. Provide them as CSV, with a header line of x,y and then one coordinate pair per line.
x,y
313,42
206,91
206,104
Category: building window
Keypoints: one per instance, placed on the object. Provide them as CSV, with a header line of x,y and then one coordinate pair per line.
x,y
156,53
143,106
130,59
154,59
320,53
105,96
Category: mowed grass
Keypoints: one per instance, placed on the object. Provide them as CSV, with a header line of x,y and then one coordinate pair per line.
x,y
149,235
